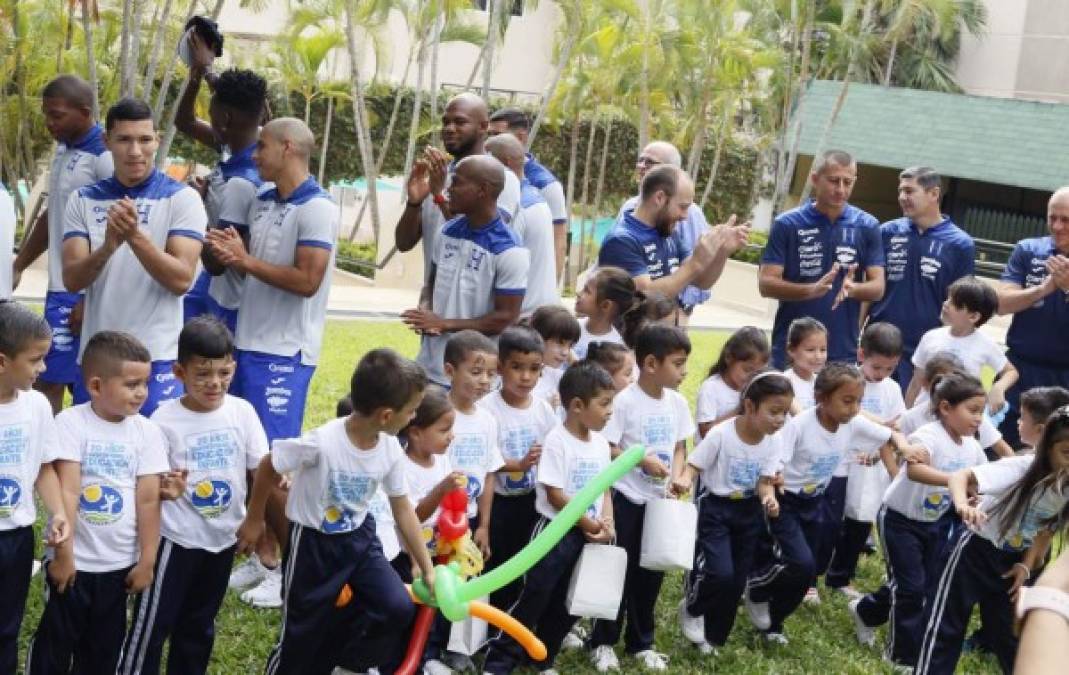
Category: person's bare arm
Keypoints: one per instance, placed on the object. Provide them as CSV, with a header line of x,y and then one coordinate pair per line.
x,y
913,390
869,290
82,266
1044,647
173,267
506,312
1012,298
148,533
558,500
409,227
560,246
1007,377
302,278
185,119
771,284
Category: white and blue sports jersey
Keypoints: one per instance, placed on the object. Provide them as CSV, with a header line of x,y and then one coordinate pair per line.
x,y
84,162
473,267
729,466
534,225
548,186
7,242
271,320
1044,504
124,295
232,189
688,231
806,244
1037,334
920,268
639,250
811,453
928,503
432,220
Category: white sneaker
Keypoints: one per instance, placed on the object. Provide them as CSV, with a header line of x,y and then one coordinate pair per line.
x,y
35,568
436,667
571,641
850,592
604,659
706,649
268,594
652,660
247,574
812,597
866,634
693,626
777,639
757,611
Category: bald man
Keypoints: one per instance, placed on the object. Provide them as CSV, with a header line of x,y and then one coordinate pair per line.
x,y
464,128
293,230
1035,289
533,224
478,274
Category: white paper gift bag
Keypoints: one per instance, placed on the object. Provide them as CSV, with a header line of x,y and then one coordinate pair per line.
x,y
467,636
668,533
865,486
597,583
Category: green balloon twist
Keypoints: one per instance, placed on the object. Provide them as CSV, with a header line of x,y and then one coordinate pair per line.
x,y
452,595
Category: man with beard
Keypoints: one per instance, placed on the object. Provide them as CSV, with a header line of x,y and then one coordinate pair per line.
x,y
464,128
645,241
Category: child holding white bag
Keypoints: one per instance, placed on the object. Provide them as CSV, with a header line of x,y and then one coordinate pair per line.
x,y
737,460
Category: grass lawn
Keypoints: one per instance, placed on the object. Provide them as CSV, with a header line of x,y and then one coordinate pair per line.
x,y
822,638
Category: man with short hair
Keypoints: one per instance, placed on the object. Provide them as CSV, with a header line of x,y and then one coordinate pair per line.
x,y
823,259
689,230
533,224
925,253
131,242
237,107
645,241
464,128
81,158
516,122
478,274
1035,290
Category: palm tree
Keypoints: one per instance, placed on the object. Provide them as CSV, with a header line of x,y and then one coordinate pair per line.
x,y
572,28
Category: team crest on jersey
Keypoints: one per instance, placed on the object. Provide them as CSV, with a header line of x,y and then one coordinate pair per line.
x,y
338,519
211,497
476,259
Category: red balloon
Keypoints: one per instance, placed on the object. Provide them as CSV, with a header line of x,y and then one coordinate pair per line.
x,y
455,500
420,630
452,525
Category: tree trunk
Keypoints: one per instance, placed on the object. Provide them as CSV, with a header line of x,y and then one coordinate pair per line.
x,y
477,66
124,47
547,96
363,135
308,110
417,108
90,57
157,49
161,96
573,156
436,34
588,164
890,63
385,146
644,102
701,136
326,139
721,142
601,166
494,7
132,69
788,160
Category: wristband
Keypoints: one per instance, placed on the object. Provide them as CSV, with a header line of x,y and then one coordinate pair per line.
x,y
440,199
1042,597
1026,568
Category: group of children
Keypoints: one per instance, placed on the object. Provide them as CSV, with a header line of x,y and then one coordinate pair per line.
x,y
156,508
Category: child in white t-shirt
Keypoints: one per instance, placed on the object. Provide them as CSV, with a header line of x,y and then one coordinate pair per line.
x,y
807,352
559,331
745,353
109,460
970,303
601,304
1037,405
617,360
216,440
336,471
573,454
27,448
917,520
653,414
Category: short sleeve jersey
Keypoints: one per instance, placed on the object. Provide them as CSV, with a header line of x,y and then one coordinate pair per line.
x,y
218,448
421,481
883,399
920,268
656,424
715,399
804,390
473,267
534,225
272,320
640,250
548,186
475,451
82,163
586,337
125,296
811,453
518,430
1037,334
27,440
731,467
569,463
806,244
113,455
232,189
334,482
927,503
975,350
994,479
921,414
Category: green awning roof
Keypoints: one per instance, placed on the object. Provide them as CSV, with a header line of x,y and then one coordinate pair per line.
x,y
996,140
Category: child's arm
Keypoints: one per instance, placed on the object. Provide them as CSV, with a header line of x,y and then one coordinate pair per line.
x,y
766,492
426,506
923,473
913,390
173,484
608,529
679,459
51,493
1032,558
913,454
558,500
148,532
889,458
525,463
1006,378
682,483
1002,448
412,537
252,528
481,536
962,484
704,427
62,570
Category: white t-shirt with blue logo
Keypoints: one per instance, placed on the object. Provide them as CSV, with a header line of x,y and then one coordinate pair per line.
x,y
473,267
334,481
656,424
385,526
534,225
975,350
994,479
271,320
927,503
218,448
232,188
715,399
84,162
569,463
124,295
804,390
729,466
113,455
884,401
921,414
7,242
475,451
811,453
421,481
518,430
27,440
581,347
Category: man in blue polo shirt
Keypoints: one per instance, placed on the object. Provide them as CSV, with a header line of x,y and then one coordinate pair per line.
x,y
646,244
823,259
1035,289
925,253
